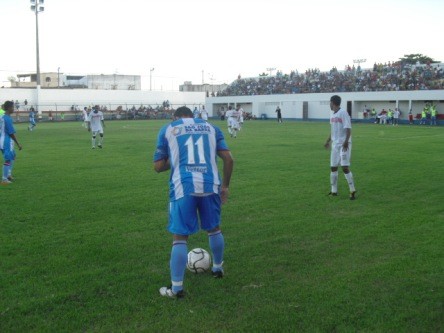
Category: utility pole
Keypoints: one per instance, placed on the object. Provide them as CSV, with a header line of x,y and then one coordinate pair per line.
x,y
37,7
151,74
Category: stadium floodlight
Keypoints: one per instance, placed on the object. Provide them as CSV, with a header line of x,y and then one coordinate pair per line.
x,y
359,61
270,70
151,75
212,79
37,7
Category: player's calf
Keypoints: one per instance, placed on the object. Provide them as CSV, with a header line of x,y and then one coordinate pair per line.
x,y
217,246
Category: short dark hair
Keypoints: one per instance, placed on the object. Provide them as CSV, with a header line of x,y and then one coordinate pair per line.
x,y
7,105
336,100
182,112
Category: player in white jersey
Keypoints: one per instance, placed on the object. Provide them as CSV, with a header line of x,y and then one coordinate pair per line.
x,y
204,113
196,112
85,117
234,122
96,124
340,143
228,114
241,117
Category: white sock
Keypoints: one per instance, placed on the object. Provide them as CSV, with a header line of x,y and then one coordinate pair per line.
x,y
10,168
93,142
351,184
334,181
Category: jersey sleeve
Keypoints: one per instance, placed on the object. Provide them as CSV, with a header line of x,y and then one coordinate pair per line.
x,y
220,140
9,128
161,152
346,121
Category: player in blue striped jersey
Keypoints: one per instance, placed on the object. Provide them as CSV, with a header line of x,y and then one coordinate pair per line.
x,y
7,140
189,147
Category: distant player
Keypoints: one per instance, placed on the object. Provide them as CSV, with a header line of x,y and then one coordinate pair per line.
x,y
32,123
433,114
96,124
228,114
396,115
85,117
424,111
410,117
189,147
7,139
204,113
340,143
234,122
279,114
241,117
196,112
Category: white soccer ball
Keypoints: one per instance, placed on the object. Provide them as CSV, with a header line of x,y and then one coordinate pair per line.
x,y
199,261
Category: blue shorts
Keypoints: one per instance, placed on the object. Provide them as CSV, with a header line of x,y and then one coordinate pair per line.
x,y
8,154
183,214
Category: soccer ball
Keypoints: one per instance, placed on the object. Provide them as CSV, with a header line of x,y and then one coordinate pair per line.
x,y
199,261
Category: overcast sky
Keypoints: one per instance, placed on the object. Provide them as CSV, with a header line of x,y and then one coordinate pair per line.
x,y
182,38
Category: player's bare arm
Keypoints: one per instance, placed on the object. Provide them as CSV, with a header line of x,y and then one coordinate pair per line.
x,y
162,165
327,143
228,162
12,136
347,138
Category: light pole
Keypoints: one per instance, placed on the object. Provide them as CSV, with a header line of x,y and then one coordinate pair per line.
x,y
359,61
271,69
37,7
151,77
212,79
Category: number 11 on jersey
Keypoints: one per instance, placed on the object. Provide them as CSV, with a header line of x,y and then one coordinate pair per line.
x,y
200,149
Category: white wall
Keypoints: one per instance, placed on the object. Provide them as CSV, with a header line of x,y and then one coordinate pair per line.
x,y
65,98
291,104
319,107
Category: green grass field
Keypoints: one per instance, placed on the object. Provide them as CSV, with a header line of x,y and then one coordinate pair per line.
x,y
83,245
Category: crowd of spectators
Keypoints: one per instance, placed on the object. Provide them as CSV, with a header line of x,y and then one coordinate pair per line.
x,y
393,76
164,111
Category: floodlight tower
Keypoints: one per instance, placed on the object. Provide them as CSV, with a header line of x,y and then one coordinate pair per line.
x,y
151,75
270,70
359,61
212,79
37,7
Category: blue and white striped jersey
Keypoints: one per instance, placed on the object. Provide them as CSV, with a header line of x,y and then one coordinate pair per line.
x,y
191,145
6,129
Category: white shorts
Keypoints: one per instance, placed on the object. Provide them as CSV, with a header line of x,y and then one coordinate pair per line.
x,y
339,157
96,131
233,123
